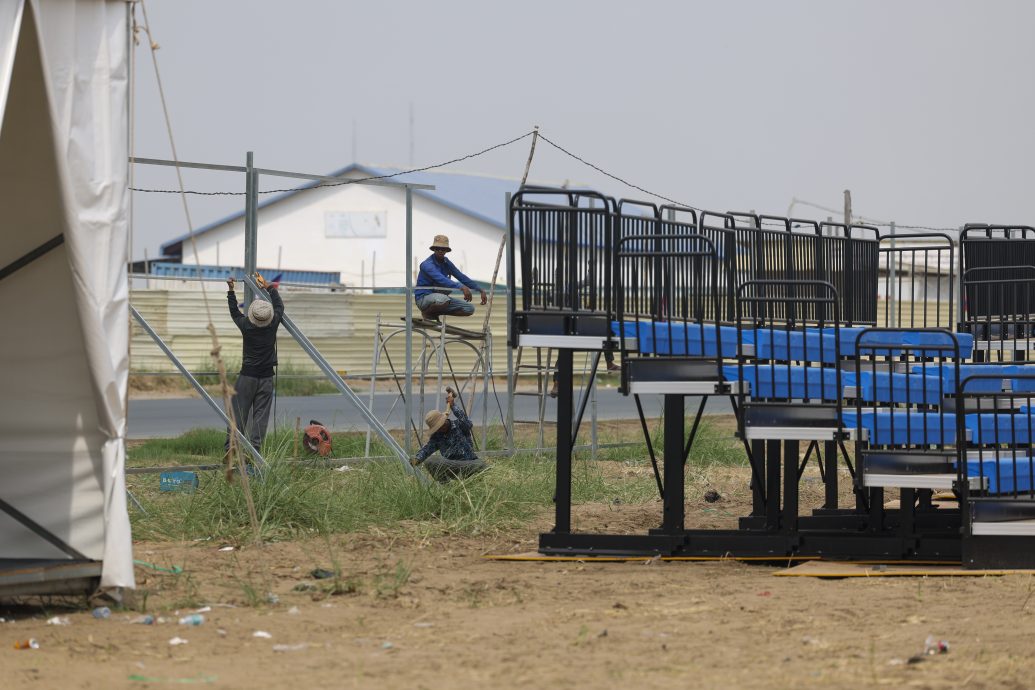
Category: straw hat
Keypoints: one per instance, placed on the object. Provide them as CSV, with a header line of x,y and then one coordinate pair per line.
x,y
441,242
260,313
435,420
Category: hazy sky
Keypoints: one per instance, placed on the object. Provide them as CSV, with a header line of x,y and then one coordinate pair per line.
x,y
923,109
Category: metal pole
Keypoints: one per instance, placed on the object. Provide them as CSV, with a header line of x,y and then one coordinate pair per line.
x,y
486,363
511,380
594,436
259,462
344,389
894,278
408,403
373,376
250,212
848,207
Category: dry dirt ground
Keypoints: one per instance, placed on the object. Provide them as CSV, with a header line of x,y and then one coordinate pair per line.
x,y
431,612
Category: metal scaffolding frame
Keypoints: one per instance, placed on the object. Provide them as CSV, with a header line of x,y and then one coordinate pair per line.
x,y
252,174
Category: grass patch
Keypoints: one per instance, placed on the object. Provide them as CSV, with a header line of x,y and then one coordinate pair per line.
x,y
296,498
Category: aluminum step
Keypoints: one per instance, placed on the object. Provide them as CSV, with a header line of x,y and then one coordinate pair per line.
x,y
1020,528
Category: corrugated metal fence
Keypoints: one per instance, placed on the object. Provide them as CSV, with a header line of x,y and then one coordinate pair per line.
x,y
340,325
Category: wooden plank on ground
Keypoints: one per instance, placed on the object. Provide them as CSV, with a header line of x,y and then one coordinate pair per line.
x,y
841,569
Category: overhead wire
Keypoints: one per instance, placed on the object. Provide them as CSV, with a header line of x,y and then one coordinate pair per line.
x,y
359,180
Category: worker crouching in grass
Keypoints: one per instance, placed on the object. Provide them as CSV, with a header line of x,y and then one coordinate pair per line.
x,y
453,440
253,392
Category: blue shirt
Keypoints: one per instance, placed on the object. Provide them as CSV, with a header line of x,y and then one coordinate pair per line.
x,y
455,444
440,275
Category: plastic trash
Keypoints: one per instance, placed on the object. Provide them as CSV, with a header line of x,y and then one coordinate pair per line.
x,y
27,644
102,613
58,620
262,635
143,620
290,647
294,611
321,574
272,599
193,619
177,641
227,548
387,645
932,646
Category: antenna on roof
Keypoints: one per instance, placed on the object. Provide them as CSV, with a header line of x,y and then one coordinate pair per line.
x,y
411,134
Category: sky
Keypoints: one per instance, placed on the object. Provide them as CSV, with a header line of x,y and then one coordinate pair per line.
x,y
922,109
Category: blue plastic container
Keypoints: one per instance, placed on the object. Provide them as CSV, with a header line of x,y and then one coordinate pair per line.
x,y
178,481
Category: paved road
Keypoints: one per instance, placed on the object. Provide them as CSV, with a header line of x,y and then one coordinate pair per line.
x,y
169,417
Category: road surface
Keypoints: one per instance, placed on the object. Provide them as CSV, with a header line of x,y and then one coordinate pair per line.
x,y
170,417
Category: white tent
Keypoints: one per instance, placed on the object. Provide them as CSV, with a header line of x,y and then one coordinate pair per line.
x,y
63,288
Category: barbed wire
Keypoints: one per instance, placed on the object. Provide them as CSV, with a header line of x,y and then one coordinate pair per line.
x,y
343,182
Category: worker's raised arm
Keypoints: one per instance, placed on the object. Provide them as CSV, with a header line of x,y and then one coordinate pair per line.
x,y
231,299
462,420
276,301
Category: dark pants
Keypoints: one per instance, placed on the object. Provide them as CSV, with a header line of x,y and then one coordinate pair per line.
x,y
443,470
252,400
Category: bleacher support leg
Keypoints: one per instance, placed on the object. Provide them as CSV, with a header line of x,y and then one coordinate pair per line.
x,y
789,524
562,496
673,519
830,483
757,490
772,491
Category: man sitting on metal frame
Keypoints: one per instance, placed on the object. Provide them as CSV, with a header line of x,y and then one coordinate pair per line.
x,y
435,280
453,440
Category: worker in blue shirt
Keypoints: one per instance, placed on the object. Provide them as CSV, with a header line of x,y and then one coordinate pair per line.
x,y
437,277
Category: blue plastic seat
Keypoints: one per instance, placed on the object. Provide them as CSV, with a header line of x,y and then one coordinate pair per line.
x,y
677,339
1005,474
999,427
919,388
904,427
782,381
980,385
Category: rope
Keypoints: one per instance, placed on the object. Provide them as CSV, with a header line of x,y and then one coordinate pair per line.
x,y
235,450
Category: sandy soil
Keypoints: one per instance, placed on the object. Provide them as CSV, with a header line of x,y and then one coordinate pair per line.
x,y
411,611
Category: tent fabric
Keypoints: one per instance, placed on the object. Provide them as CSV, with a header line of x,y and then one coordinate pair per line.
x,y
64,363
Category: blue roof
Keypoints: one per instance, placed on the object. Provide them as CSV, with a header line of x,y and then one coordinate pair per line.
x,y
473,195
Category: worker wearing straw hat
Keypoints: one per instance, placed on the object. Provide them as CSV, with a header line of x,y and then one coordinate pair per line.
x,y
253,391
453,440
438,276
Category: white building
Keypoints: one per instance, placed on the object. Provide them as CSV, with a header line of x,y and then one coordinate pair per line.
x,y
360,230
